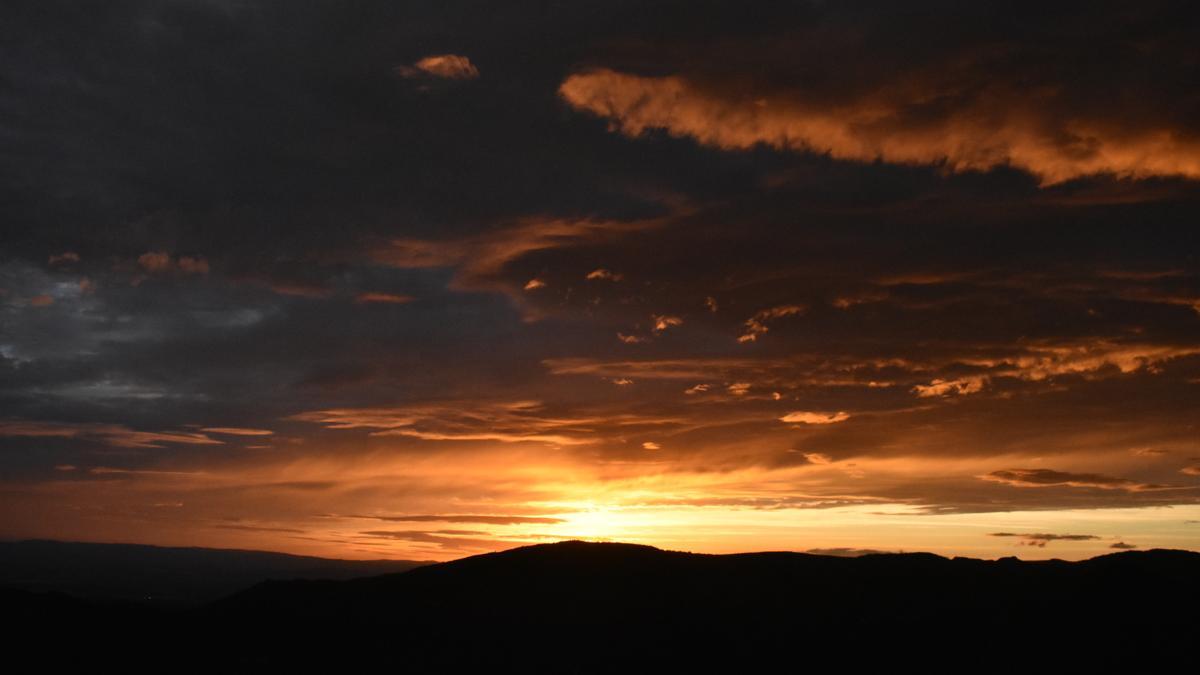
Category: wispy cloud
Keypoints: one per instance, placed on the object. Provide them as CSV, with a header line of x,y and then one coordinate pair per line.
x,y
504,422
1035,478
375,297
757,324
445,66
237,431
1040,539
115,435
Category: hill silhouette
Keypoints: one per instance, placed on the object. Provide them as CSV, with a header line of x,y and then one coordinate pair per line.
x,y
589,607
169,576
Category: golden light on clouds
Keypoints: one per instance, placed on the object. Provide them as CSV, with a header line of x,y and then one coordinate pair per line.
x,y
444,503
447,66
806,417
999,128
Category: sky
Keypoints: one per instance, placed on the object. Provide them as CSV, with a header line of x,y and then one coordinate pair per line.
x,y
428,279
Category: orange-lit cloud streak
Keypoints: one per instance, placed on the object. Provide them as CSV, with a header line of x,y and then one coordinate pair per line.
x,y
997,127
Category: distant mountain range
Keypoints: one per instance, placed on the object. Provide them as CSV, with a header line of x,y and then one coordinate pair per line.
x,y
164,575
589,607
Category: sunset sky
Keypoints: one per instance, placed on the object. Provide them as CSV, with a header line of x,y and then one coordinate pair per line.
x,y
428,279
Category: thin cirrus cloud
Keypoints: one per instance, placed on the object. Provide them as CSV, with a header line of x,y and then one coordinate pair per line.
x,y
1000,127
115,435
375,297
447,539
1036,478
480,260
1040,539
504,422
237,431
463,518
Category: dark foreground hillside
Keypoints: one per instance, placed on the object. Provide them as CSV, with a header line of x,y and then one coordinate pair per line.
x,y
161,575
578,607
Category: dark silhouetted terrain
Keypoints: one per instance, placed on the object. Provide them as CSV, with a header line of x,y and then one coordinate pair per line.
x,y
583,607
164,575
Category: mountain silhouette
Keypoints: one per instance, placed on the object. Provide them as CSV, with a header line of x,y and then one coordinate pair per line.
x,y
598,607
164,575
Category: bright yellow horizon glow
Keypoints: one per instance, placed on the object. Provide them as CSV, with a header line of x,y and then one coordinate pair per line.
x,y
478,499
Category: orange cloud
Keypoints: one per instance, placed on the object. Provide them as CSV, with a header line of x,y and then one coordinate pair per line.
x,y
805,417
738,388
757,324
237,431
663,322
660,369
603,274
1040,361
1050,478
386,298
107,471
109,434
464,518
155,261
959,387
446,66
999,126
504,422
